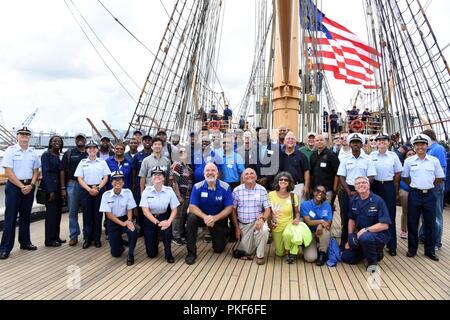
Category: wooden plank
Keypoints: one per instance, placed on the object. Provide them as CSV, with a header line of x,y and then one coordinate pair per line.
x,y
311,281
261,277
285,272
320,282
267,285
302,279
333,275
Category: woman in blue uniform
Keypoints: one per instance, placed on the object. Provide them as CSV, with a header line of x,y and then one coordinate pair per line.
x,y
92,174
159,204
51,165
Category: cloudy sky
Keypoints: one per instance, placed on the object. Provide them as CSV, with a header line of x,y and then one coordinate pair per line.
x,y
47,63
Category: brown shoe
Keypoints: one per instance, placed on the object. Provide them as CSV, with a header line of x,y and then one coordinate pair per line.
x,y
260,261
73,242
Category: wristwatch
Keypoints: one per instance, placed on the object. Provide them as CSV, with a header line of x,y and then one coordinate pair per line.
x,y
367,229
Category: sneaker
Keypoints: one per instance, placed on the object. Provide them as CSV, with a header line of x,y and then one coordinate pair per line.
x,y
190,259
321,259
290,259
178,242
207,238
403,234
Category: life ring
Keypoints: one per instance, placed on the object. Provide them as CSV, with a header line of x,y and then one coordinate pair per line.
x,y
214,125
357,125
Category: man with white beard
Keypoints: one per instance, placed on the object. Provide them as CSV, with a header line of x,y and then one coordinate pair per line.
x,y
210,204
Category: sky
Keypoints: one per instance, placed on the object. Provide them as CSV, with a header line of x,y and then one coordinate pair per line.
x,y
47,63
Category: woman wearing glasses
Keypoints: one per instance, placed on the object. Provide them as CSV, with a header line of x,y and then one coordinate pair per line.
x,y
318,215
282,212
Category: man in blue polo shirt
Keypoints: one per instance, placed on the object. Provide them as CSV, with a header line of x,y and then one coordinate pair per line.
x,y
211,203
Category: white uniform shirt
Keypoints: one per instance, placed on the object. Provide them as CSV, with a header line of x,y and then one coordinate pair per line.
x,y
158,202
117,204
422,172
387,165
22,162
92,171
352,168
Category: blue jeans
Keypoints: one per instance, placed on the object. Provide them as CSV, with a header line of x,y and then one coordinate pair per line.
x,y
439,192
74,204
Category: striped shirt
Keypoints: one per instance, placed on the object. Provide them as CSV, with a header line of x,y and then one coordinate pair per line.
x,y
250,203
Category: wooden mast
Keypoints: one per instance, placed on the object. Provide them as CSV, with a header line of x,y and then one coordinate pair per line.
x,y
286,87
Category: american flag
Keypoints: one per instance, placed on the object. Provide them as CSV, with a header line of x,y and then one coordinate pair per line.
x,y
341,51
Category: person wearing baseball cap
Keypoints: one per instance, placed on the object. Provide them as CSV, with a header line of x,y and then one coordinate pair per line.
x,y
355,165
105,148
159,204
310,145
386,183
21,165
118,204
422,172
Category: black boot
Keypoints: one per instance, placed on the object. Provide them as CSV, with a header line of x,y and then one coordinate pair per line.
x,y
321,259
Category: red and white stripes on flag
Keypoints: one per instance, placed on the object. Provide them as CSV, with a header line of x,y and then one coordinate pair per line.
x,y
343,53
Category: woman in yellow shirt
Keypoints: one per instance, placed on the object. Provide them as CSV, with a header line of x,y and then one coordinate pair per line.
x,y
281,204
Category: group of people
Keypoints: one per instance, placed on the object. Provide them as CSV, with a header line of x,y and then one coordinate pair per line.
x,y
240,188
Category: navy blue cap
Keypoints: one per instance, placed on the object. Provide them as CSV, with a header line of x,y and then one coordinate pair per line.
x,y
24,130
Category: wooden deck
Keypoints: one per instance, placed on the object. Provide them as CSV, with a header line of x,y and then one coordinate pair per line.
x,y
43,274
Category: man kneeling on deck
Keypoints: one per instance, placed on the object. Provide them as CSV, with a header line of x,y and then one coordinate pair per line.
x,y
252,209
367,226
211,203
118,204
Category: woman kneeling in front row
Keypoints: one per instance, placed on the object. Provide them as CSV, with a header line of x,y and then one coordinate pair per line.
x,y
159,204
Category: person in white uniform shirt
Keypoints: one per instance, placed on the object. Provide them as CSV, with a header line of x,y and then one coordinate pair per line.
x,y
118,205
386,183
92,174
159,204
357,165
422,173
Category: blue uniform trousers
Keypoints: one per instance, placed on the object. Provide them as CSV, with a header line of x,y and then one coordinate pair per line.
x,y
369,245
421,204
151,231
16,203
439,191
344,216
115,232
92,217
386,191
53,219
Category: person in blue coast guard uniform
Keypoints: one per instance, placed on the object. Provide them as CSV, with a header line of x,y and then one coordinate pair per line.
x,y
354,165
118,204
422,173
92,174
21,165
159,204
368,226
386,183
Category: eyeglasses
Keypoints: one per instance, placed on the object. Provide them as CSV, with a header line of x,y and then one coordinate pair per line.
x,y
320,191
118,149
371,139
283,180
182,151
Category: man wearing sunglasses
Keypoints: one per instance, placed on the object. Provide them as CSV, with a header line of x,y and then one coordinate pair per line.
x,y
318,215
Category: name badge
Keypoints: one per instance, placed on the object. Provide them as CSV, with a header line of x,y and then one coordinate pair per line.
x,y
269,152
312,214
323,164
204,195
256,196
208,159
230,166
